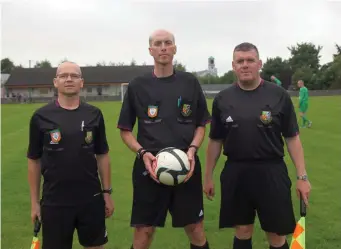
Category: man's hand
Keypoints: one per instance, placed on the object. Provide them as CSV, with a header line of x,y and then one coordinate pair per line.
x,y
191,159
35,212
150,164
209,188
303,188
109,205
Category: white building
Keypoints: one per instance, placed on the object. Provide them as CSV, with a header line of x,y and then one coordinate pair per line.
x,y
211,69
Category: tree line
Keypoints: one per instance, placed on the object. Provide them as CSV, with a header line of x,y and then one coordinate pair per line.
x,y
303,63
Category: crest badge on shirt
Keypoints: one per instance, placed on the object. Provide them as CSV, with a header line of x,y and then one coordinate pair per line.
x,y
186,110
153,111
55,136
88,137
266,117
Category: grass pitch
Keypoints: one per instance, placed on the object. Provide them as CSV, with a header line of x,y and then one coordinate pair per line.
x,y
322,146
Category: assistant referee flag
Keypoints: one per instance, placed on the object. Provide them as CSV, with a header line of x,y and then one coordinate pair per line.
x,y
298,238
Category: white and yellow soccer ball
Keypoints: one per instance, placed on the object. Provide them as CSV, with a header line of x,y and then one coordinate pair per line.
x,y
172,166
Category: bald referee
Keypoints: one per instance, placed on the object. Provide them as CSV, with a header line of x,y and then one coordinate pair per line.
x,y
171,111
68,147
249,120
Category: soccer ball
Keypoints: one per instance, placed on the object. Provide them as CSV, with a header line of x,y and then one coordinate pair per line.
x,y
172,166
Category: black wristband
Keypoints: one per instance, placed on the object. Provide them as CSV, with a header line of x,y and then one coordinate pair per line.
x,y
193,146
141,152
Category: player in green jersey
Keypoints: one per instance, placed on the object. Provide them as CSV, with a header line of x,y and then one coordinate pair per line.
x,y
303,104
277,81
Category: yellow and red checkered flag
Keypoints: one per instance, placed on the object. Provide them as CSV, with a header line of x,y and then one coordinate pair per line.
x,y
35,241
298,238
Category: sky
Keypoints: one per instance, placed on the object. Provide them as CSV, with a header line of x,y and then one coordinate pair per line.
x,y
91,31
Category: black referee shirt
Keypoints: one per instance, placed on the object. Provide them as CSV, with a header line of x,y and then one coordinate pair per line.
x,y
67,141
252,123
168,110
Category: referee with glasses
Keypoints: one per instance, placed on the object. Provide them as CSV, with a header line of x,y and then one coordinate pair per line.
x,y
68,146
171,111
249,121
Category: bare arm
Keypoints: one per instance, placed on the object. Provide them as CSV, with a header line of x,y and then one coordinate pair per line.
x,y
295,150
199,136
34,178
103,162
212,155
129,139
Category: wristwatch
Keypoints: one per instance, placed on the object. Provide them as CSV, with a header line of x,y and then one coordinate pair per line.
x,y
140,153
107,191
302,177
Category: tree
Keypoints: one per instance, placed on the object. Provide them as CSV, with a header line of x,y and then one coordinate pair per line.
x,y
338,50
228,78
179,67
335,69
209,79
120,64
305,55
7,65
101,64
325,76
306,74
274,66
43,64
133,62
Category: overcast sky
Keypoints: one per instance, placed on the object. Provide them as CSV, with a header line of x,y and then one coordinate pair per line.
x,y
89,31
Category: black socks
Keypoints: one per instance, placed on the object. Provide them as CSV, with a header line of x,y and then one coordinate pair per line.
x,y
205,246
242,244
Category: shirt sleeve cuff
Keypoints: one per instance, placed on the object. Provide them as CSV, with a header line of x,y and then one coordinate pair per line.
x,y
293,134
124,128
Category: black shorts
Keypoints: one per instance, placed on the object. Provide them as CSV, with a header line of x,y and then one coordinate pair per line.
x,y
59,224
262,188
152,201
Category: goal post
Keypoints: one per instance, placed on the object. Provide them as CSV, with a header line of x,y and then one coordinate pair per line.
x,y
124,87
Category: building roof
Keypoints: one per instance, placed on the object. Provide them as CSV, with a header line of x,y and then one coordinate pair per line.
x,y
91,75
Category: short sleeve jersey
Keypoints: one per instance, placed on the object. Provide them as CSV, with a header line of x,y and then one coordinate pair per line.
x,y
168,110
251,124
66,142
303,97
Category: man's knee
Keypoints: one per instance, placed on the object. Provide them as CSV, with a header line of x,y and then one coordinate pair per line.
x,y
196,234
244,232
276,240
143,237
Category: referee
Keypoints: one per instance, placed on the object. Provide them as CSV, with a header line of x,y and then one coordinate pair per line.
x,y
249,120
68,145
171,111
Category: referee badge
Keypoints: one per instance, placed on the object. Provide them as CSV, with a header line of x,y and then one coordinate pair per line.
x,y
55,136
88,137
186,110
153,111
266,117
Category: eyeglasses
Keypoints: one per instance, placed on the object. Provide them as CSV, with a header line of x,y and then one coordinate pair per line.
x,y
66,76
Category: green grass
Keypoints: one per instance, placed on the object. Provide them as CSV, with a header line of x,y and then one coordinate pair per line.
x,y
322,145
